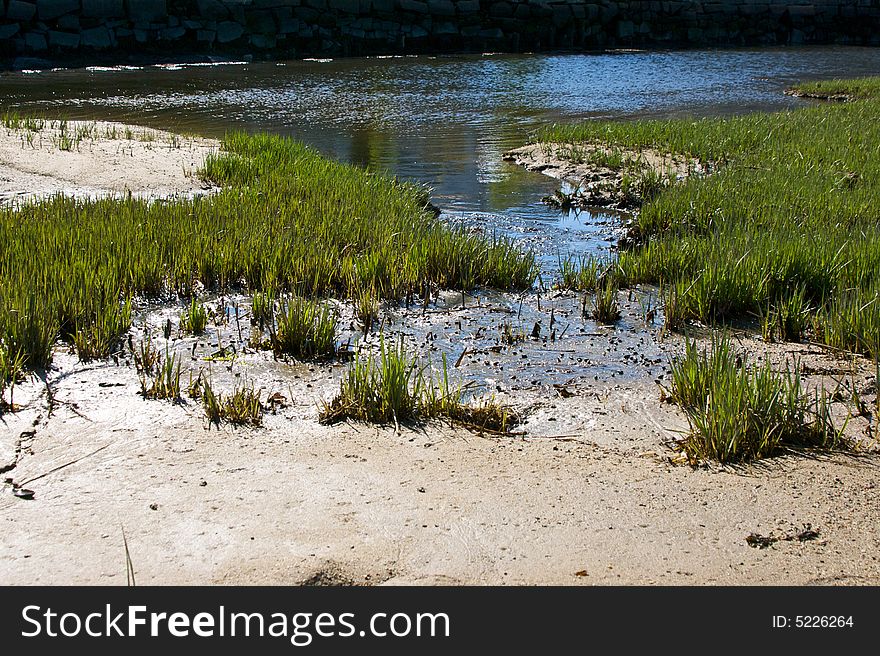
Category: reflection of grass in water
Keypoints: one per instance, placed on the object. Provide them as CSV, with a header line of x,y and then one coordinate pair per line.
x,y
286,220
787,225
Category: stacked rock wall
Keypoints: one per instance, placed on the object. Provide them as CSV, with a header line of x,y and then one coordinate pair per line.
x,y
354,27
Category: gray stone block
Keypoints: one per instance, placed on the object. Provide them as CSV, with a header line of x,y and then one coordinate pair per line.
x,y
441,8
35,42
289,26
306,14
8,31
414,6
49,9
20,11
96,37
213,10
345,6
263,41
63,39
501,9
149,11
103,8
260,21
444,29
625,29
68,22
229,31
172,33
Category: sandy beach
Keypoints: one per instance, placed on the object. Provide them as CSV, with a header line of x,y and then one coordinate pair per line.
x,y
99,158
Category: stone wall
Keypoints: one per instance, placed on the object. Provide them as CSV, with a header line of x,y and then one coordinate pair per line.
x,y
274,28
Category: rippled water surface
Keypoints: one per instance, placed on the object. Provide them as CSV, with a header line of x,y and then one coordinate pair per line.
x,y
441,120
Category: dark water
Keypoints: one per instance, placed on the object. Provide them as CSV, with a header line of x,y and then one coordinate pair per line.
x,y
443,121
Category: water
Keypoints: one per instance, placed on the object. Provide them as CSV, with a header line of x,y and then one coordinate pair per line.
x,y
445,122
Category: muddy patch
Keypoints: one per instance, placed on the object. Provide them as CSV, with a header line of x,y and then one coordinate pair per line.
x,y
602,176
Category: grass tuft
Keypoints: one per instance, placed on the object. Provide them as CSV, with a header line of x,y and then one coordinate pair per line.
x,y
194,319
306,329
165,381
606,308
394,389
242,408
738,413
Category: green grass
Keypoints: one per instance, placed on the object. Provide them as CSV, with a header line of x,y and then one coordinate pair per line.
x,y
788,224
740,413
305,329
394,388
194,319
606,308
165,380
868,87
11,369
286,219
241,408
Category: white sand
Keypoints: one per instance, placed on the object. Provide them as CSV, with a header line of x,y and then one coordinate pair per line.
x,y
146,162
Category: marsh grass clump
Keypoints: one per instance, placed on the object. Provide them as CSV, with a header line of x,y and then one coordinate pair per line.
x,y
510,335
580,273
740,413
790,207
366,309
606,307
145,356
285,221
306,329
16,121
382,391
485,416
100,337
165,381
395,389
241,408
791,317
194,319
263,309
837,89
